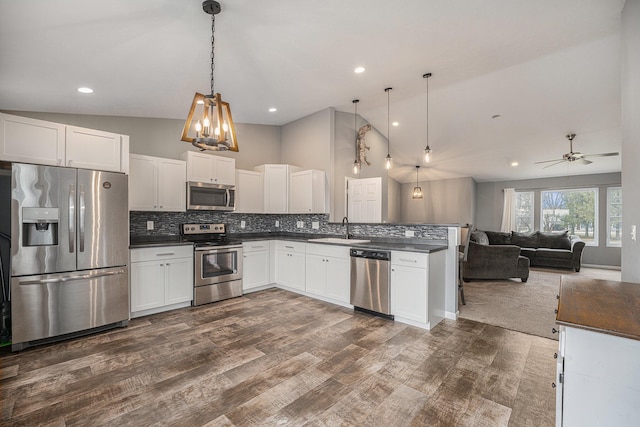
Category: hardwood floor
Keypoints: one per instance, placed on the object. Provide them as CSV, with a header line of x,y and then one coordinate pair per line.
x,y
278,358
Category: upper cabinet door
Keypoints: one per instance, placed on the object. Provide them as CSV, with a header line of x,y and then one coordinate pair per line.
x,y
224,170
208,168
198,166
93,149
143,183
31,141
172,188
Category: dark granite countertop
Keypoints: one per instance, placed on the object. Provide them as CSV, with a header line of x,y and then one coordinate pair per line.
x,y
390,244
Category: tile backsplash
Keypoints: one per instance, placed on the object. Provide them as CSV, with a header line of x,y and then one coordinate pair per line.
x,y
168,223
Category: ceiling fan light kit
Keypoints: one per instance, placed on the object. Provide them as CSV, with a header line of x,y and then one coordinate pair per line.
x,y
215,129
573,156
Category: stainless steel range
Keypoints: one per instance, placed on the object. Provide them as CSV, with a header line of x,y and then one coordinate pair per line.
x,y
217,263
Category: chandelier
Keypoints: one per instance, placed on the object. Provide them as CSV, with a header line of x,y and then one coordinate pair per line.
x,y
213,128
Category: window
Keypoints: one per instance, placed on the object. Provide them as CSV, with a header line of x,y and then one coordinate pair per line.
x,y
524,212
573,210
614,216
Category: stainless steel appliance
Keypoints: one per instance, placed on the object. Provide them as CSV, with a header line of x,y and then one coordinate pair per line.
x,y
210,197
69,252
370,279
217,263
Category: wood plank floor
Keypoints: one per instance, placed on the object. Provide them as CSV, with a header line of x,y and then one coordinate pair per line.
x,y
277,358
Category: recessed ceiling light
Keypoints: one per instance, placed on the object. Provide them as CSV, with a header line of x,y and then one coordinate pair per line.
x,y
514,164
395,124
359,70
496,116
85,90
273,109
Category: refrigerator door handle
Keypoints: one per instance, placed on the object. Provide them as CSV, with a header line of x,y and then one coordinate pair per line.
x,y
72,218
70,278
81,220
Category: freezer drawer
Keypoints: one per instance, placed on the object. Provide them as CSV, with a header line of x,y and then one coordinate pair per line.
x,y
49,305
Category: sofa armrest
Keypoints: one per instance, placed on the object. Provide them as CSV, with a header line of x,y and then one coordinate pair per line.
x,y
577,246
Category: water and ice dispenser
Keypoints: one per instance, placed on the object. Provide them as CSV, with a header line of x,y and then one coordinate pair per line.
x,y
40,226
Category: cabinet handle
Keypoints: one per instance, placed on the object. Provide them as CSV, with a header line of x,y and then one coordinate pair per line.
x,y
161,206
289,247
555,355
165,254
553,385
555,311
558,297
161,265
168,264
554,331
408,260
393,269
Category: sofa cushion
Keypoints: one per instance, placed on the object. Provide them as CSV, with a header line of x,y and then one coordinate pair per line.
x,y
528,252
542,253
524,240
498,238
479,237
554,240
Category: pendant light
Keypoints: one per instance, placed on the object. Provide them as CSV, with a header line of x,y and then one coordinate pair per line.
x,y
427,150
214,130
388,162
356,163
417,190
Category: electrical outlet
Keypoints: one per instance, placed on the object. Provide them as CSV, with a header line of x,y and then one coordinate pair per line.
x,y
409,233
277,223
315,225
243,224
149,225
300,224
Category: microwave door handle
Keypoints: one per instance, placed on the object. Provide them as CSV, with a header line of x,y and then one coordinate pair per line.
x,y
72,218
81,220
228,198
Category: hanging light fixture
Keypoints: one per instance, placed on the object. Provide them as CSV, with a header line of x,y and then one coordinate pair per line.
x,y
427,150
388,162
417,190
356,163
213,128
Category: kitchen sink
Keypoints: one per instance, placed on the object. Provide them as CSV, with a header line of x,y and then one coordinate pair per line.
x,y
339,241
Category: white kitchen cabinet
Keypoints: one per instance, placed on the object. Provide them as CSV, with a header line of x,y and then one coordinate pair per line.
x,y
203,167
328,272
418,287
31,141
157,184
40,142
290,264
161,279
307,192
94,149
249,191
276,186
256,265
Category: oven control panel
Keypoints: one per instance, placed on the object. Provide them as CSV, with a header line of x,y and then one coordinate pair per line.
x,y
203,229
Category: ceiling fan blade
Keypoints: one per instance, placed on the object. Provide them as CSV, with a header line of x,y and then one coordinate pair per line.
x,y
585,161
601,155
553,164
549,161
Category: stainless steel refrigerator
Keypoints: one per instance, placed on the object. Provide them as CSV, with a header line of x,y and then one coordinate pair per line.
x,y
69,252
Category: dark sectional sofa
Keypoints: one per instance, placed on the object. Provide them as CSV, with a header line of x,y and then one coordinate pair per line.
x,y
558,250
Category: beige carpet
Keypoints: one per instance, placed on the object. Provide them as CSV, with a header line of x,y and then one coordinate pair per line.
x,y
523,307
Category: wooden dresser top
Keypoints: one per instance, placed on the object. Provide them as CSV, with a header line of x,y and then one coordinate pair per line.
x,y
605,306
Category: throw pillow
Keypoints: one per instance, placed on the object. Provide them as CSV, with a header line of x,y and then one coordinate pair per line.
x,y
524,240
554,240
498,238
479,237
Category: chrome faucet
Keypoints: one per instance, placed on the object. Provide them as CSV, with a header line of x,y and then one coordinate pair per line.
x,y
345,222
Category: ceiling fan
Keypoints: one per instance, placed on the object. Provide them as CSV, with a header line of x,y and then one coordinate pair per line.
x,y
573,156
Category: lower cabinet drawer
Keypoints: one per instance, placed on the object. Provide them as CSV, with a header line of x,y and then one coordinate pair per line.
x,y
158,253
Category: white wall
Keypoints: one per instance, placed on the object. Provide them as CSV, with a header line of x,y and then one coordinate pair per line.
x,y
258,144
490,201
445,201
631,140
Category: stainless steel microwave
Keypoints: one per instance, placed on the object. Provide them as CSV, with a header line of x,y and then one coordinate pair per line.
x,y
210,197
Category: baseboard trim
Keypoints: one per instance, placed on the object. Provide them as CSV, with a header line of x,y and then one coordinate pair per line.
x,y
604,267
451,316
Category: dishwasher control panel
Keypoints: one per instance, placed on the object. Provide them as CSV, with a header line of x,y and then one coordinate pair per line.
x,y
371,254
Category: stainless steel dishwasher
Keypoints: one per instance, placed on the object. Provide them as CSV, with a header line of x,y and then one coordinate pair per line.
x,y
370,278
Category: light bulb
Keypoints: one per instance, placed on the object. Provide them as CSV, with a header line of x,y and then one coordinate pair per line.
x,y
198,126
356,167
427,156
388,162
216,131
206,122
225,127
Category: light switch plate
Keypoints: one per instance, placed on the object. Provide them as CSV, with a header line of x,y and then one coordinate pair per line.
x,y
409,233
315,225
149,225
243,224
277,223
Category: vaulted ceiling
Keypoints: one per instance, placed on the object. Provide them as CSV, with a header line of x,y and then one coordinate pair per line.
x,y
546,67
